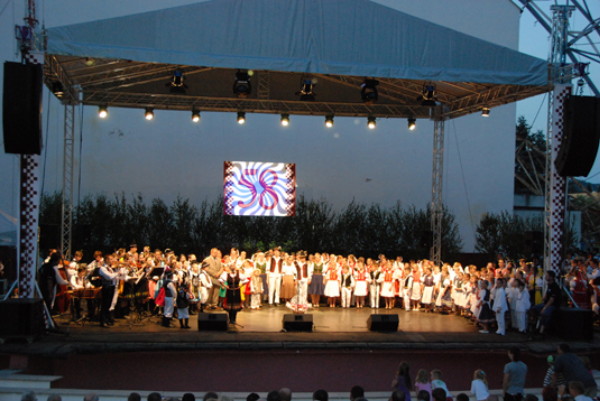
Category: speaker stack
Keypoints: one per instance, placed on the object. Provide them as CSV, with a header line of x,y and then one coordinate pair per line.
x,y
387,323
292,322
213,321
581,128
22,108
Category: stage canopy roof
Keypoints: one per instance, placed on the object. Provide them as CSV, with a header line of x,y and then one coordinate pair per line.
x,y
130,61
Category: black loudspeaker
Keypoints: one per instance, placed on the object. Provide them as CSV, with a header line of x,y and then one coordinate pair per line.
x,y
574,324
22,318
22,108
213,321
383,322
579,146
293,322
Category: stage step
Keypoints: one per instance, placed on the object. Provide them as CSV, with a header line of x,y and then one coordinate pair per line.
x,y
14,379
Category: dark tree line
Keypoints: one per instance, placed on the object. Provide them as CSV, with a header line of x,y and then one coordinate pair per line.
x,y
103,223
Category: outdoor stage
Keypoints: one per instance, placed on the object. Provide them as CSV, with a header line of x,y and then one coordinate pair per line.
x,y
259,356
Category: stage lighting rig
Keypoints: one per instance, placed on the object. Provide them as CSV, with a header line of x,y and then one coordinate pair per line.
x,y
102,111
285,120
329,120
149,114
195,116
306,92
242,86
485,112
176,85
241,117
58,90
368,91
371,122
428,97
412,124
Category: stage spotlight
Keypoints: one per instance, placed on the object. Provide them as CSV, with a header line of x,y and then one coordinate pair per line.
x,y
176,85
102,111
285,119
371,123
241,85
329,121
368,91
149,113
428,97
412,124
57,89
195,116
485,112
306,92
241,117
89,61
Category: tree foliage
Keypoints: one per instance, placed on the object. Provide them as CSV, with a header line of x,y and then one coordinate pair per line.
x,y
102,223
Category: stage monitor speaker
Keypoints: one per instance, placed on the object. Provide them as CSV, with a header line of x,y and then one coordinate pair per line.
x,y
22,318
579,146
383,322
292,322
213,321
22,108
574,324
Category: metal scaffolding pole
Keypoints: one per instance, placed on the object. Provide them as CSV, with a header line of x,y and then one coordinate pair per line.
x,y
66,232
436,191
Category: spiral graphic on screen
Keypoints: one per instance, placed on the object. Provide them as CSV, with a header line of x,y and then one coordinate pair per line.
x,y
259,188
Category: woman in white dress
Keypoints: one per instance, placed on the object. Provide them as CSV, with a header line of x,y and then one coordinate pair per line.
x,y
332,283
388,290
361,284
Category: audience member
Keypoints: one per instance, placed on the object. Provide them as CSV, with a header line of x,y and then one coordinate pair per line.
x,y
273,396
356,392
134,397
210,396
29,396
90,397
188,397
54,397
462,397
397,395
513,382
285,394
321,395
423,395
549,393
479,386
577,389
402,381
573,370
154,397
252,397
439,394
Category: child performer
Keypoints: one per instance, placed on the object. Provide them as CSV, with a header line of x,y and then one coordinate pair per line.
x,y
315,286
428,285
183,303
416,290
205,285
500,306
374,273
522,305
256,289
332,286
387,285
347,285
361,284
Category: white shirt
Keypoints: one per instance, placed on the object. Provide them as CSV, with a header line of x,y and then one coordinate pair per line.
x,y
479,390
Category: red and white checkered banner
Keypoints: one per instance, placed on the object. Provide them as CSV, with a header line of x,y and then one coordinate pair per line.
x,y
557,182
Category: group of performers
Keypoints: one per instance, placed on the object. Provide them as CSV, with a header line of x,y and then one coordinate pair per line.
x,y
164,282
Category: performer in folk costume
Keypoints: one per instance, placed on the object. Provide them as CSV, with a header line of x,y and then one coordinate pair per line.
x,y
182,302
233,282
257,289
170,296
428,286
408,285
522,306
374,284
332,283
416,290
486,315
500,306
347,284
302,277
288,279
316,287
361,284
274,276
261,264
387,285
